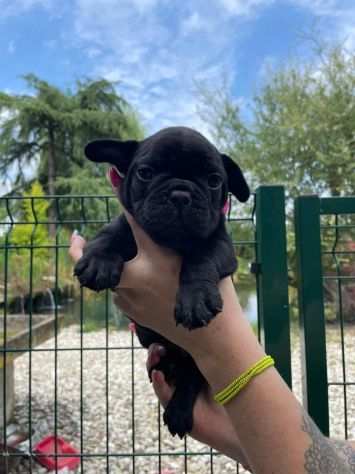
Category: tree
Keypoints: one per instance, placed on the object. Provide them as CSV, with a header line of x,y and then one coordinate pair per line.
x,y
30,235
302,133
34,209
47,131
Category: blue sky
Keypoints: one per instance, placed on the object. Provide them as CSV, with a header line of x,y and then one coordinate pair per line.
x,y
159,48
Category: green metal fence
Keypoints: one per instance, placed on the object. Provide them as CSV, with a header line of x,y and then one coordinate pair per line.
x,y
325,238
69,365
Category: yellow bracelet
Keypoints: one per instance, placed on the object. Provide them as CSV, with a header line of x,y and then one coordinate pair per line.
x,y
240,382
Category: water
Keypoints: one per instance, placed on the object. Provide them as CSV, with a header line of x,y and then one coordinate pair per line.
x,y
94,312
99,310
249,302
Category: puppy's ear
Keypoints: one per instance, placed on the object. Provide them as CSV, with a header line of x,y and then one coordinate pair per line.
x,y
118,153
236,181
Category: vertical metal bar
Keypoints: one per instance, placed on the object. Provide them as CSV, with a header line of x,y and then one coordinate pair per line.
x,y
81,379
4,342
185,454
107,382
107,302
272,277
30,335
341,318
311,310
159,438
133,407
82,224
258,299
56,338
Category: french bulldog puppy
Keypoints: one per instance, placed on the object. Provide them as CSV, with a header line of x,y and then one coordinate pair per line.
x,y
175,185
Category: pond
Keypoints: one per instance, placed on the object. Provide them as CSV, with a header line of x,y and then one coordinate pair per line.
x,y
97,309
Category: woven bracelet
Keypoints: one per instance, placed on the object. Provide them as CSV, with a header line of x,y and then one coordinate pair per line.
x,y
240,382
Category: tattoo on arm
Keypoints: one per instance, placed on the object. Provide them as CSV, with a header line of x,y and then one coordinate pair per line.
x,y
326,456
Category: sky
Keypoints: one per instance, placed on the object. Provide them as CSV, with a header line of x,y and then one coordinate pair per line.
x,y
159,50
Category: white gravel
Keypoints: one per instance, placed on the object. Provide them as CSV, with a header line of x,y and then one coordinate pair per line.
x,y
115,400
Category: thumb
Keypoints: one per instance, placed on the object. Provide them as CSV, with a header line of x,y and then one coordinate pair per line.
x,y
144,243
162,390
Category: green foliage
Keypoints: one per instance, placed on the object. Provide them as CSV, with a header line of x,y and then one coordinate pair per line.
x,y
301,133
31,259
29,232
33,214
47,131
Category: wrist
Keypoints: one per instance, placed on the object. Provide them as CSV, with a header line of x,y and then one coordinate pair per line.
x,y
227,346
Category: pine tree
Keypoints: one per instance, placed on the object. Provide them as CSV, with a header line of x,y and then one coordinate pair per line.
x,y
45,133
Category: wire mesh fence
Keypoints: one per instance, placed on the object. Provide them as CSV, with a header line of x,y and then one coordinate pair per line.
x,y
338,262
326,253
71,370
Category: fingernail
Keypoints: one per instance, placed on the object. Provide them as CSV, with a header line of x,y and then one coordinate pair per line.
x,y
161,350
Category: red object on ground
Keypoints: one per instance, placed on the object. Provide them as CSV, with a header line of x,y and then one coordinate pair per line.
x,y
46,448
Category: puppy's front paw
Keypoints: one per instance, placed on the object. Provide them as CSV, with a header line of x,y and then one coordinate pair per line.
x,y
197,304
99,272
178,420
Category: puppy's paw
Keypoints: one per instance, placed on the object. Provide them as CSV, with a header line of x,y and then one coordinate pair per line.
x,y
197,304
99,272
178,420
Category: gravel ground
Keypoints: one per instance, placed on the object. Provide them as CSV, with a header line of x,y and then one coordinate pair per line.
x,y
115,392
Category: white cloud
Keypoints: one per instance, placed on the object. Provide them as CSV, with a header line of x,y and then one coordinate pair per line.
x,y
319,7
15,7
194,23
244,7
268,65
144,5
157,61
157,49
349,35
11,48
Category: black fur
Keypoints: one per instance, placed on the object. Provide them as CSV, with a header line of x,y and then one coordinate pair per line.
x,y
176,183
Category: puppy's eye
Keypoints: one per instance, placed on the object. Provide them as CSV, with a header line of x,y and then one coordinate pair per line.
x,y
145,173
214,180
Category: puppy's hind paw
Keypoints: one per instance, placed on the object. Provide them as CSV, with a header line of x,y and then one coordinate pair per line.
x,y
179,422
197,304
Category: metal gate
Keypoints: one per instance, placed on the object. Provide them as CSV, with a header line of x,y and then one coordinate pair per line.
x,y
71,370
325,244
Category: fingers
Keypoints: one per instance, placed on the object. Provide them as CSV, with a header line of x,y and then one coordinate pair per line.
x,y
77,244
144,243
162,390
155,352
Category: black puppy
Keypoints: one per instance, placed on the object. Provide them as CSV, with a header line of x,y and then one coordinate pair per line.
x,y
175,185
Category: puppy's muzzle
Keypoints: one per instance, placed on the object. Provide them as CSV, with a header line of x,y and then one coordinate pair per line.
x,y
181,199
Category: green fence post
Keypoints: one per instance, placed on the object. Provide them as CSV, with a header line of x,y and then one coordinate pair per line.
x,y
272,277
311,310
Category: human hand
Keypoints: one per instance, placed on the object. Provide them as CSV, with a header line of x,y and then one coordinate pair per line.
x,y
206,414
151,279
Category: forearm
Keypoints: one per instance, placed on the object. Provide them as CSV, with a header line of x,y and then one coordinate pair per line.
x,y
222,437
273,430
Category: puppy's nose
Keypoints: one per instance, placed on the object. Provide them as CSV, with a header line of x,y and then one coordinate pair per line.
x,y
180,198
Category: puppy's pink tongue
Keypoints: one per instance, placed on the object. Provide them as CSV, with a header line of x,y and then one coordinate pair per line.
x,y
115,178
